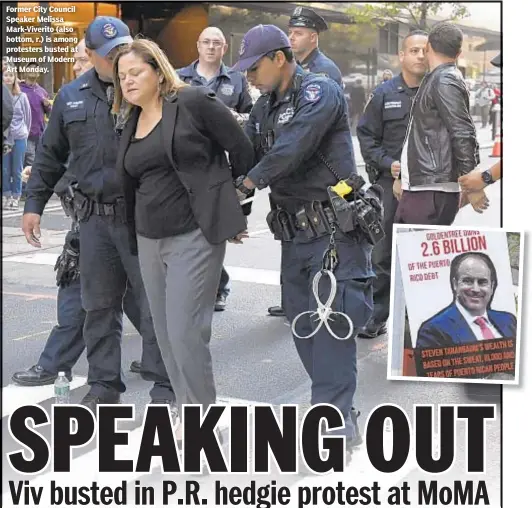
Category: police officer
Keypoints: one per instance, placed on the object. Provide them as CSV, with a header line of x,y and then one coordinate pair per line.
x,y
81,125
304,28
65,343
381,133
303,34
300,131
230,87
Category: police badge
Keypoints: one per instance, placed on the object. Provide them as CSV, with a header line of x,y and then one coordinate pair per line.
x,y
227,89
297,11
242,49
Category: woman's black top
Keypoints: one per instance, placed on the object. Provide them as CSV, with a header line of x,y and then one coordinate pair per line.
x,y
162,203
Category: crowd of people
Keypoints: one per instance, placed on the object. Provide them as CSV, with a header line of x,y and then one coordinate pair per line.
x,y
162,165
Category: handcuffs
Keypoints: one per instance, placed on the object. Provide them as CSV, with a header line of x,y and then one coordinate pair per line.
x,y
324,311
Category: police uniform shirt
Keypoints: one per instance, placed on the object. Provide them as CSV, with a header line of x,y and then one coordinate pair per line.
x,y
287,130
382,128
230,87
80,130
318,63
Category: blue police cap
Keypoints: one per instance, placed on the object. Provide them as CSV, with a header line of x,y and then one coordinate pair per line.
x,y
307,18
106,33
258,42
497,61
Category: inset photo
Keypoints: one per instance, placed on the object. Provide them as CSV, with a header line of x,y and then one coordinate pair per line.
x,y
455,304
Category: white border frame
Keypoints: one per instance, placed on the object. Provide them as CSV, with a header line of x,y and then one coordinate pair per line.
x,y
395,270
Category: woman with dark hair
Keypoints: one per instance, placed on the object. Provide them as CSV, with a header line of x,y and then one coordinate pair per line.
x,y
181,205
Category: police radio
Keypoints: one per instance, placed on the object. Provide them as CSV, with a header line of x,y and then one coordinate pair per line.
x,y
356,203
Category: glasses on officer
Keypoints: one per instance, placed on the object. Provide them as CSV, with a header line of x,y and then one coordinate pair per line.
x,y
206,43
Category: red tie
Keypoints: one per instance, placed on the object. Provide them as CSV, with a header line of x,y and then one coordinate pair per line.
x,y
486,332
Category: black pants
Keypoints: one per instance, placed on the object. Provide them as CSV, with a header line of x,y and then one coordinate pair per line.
x,y
382,255
429,208
65,343
330,363
106,264
223,286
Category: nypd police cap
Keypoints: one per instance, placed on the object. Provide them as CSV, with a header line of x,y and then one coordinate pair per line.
x,y
258,42
106,33
307,18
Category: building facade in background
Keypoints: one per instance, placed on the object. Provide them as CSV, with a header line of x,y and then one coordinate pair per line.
x,y
175,26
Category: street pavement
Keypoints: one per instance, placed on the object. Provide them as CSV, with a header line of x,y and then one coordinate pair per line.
x,y
253,354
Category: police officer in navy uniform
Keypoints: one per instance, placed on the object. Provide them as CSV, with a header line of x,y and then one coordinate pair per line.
x,y
381,133
303,34
230,87
304,28
300,131
81,125
65,343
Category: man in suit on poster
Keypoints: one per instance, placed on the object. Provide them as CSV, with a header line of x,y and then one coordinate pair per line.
x,y
469,318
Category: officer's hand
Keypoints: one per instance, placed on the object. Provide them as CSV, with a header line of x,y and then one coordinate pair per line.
x,y
472,182
240,195
241,119
31,225
238,238
396,169
26,172
397,190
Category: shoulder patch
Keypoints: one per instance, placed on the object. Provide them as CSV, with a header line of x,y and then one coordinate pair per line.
x,y
313,92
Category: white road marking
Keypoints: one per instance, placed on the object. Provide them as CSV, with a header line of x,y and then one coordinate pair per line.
x,y
236,273
14,396
19,213
259,232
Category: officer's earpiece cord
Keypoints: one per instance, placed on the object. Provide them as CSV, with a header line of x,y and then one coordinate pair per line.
x,y
324,311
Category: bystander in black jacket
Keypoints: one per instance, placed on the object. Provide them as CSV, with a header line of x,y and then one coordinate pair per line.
x,y
442,143
197,129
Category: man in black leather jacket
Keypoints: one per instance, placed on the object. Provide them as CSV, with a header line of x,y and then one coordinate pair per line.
x,y
441,142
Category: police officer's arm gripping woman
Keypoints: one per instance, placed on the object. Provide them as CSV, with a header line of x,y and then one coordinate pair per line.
x,y
81,125
300,132
304,27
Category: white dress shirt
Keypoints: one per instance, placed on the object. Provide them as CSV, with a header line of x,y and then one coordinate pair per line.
x,y
475,328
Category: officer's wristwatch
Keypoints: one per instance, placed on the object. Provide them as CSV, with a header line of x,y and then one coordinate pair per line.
x,y
487,178
239,184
